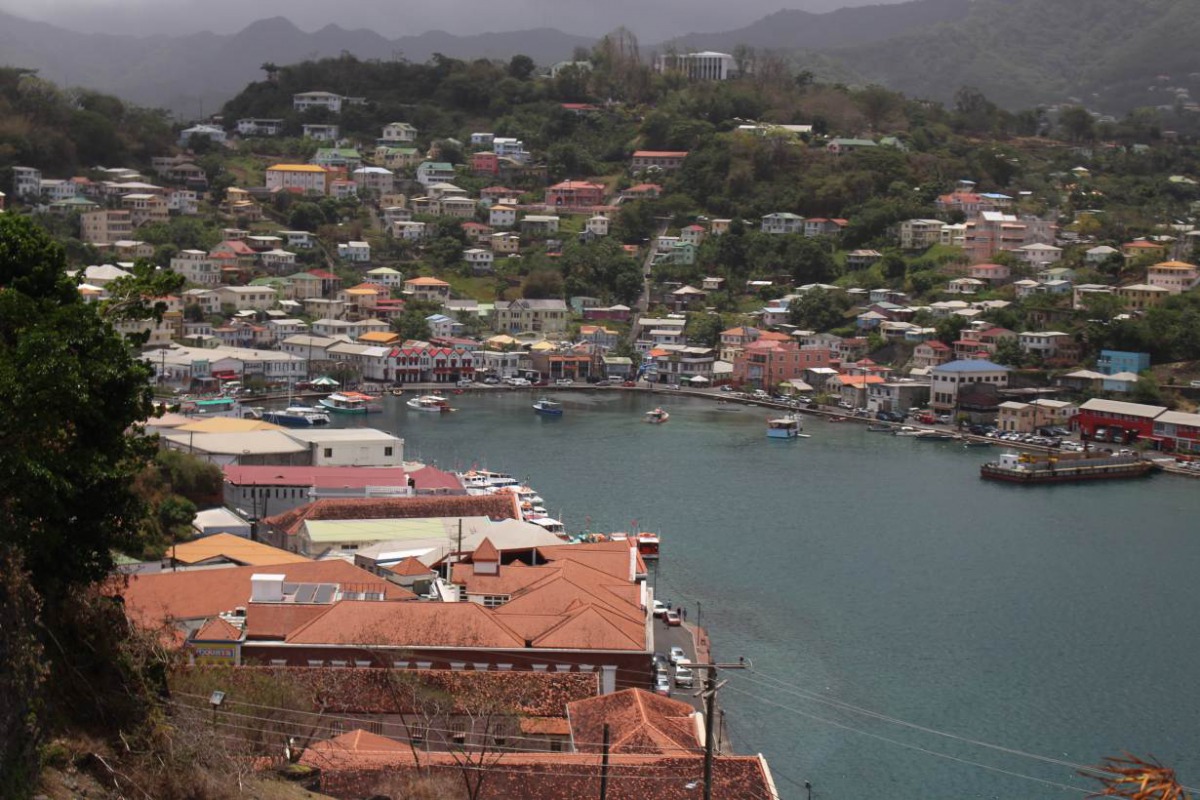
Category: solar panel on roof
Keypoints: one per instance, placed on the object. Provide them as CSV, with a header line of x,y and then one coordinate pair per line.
x,y
324,593
290,588
305,593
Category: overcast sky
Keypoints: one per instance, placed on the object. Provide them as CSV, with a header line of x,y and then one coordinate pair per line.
x,y
654,20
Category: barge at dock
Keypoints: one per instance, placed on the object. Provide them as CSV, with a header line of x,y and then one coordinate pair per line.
x,y
1029,469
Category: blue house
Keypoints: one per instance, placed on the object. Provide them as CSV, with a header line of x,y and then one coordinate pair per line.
x,y
1111,362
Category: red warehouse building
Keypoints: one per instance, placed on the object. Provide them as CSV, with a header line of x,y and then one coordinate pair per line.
x,y
1117,421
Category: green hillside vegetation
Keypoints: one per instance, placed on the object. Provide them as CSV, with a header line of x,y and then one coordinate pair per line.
x,y
65,131
1023,52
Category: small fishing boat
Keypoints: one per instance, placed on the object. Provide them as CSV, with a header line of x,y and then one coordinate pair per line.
x,y
397,392
548,407
876,428
970,443
657,416
351,403
836,419
725,405
432,403
786,427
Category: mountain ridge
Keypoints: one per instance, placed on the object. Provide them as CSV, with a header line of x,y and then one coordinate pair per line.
x,y
1019,53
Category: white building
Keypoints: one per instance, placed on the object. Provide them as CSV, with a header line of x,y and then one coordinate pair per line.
x,y
948,378
320,133
409,230
598,225
782,222
357,252
195,267
702,66
211,132
259,127
479,259
27,181
244,298
386,276
351,447
307,100
398,133
502,215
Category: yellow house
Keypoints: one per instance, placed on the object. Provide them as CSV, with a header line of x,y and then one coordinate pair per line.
x,y
1139,296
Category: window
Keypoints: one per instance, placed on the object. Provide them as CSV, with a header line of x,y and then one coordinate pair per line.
x,y
337,663
278,662
387,451
328,452
494,600
316,662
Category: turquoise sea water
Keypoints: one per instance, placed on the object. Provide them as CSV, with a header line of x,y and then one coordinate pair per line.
x,y
877,571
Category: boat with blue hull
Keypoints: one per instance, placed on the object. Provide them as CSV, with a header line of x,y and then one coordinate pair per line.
x,y
297,417
548,408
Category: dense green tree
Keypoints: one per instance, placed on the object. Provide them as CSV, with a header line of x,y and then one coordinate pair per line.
x,y
542,284
73,392
819,310
704,328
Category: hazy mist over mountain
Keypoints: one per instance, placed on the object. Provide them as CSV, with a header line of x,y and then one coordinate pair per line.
x,y
657,20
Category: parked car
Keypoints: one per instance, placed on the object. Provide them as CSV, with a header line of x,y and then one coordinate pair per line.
x,y
491,380
683,674
662,685
661,608
673,619
677,655
464,382
660,662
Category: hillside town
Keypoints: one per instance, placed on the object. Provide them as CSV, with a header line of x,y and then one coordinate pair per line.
x,y
354,617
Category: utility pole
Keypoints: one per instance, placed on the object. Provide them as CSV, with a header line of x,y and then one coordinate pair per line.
x,y
604,766
709,693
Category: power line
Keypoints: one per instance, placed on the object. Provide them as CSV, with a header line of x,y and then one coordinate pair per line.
x,y
430,728
907,745
784,686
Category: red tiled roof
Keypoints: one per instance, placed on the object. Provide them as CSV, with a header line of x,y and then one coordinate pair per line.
x,y
363,622
323,274
152,598
494,506
557,776
276,620
357,741
545,726
217,630
429,479
410,566
485,551
639,722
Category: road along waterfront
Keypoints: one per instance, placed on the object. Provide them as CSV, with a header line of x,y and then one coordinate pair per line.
x,y
876,571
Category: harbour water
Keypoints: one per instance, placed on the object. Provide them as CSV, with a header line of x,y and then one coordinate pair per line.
x,y
880,572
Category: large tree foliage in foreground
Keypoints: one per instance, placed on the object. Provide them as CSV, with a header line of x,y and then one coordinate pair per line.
x,y
70,391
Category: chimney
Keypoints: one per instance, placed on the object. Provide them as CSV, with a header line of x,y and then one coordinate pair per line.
x,y
266,588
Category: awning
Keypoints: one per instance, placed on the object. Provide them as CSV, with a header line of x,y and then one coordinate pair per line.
x,y
698,379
